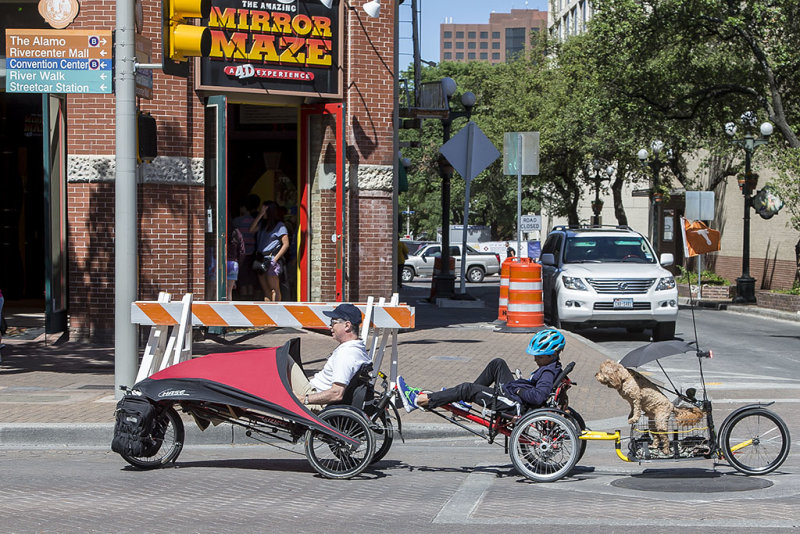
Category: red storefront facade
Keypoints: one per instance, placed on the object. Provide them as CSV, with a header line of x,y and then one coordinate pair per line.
x,y
298,111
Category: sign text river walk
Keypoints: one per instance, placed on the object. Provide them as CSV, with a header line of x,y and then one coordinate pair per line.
x,y
58,61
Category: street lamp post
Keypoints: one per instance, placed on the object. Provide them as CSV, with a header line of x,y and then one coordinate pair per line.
x,y
655,163
444,282
600,174
746,284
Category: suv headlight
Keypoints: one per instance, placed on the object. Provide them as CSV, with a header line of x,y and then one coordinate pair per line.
x,y
668,282
575,283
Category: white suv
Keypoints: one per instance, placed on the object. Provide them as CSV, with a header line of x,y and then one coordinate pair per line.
x,y
607,276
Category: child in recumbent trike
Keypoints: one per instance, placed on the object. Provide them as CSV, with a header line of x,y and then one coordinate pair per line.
x,y
541,438
513,394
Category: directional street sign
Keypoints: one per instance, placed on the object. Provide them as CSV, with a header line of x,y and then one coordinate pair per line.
x,y
59,61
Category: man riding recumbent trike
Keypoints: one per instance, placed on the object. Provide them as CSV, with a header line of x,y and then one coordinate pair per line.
x,y
546,438
265,392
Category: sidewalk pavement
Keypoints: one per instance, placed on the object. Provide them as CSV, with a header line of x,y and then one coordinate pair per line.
x,y
61,394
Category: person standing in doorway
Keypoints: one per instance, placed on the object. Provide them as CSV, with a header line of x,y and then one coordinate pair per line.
x,y
247,277
272,243
234,258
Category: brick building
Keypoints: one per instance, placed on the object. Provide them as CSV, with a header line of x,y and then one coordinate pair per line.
x,y
314,134
505,35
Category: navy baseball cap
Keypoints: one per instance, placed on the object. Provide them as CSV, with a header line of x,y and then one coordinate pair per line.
x,y
345,311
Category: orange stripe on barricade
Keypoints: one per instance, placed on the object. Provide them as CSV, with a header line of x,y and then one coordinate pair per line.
x,y
403,316
306,317
256,315
156,313
207,315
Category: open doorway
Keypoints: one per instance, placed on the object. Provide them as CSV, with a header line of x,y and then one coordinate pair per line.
x,y
22,218
262,147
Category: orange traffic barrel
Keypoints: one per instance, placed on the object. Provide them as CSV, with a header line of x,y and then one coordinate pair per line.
x,y
525,307
502,308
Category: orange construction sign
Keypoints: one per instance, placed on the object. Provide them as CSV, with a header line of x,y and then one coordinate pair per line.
x,y
698,238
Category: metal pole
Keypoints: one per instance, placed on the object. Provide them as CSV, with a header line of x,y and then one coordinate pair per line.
x,y
445,284
746,284
519,195
595,208
656,207
415,44
125,239
467,180
395,147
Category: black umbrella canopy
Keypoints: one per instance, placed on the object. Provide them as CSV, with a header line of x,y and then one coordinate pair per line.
x,y
654,351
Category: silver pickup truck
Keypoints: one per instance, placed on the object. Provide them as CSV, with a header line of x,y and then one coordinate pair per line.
x,y
479,264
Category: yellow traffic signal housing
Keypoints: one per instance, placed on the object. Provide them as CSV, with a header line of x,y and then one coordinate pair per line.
x,y
183,40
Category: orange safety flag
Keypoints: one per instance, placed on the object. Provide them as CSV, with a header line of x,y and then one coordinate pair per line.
x,y
698,238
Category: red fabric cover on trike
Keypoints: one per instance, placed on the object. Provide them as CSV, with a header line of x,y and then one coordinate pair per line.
x,y
251,379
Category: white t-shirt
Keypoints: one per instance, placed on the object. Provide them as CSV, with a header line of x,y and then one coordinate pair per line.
x,y
342,365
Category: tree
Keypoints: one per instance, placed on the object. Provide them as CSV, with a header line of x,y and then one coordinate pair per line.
x,y
697,63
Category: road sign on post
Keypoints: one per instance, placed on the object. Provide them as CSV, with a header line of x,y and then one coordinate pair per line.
x,y
469,152
520,156
530,223
58,61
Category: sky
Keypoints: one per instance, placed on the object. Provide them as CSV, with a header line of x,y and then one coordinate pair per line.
x,y
434,12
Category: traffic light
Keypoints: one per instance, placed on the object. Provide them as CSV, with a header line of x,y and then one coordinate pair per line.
x,y
181,40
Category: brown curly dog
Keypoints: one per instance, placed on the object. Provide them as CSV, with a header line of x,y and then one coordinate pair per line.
x,y
644,396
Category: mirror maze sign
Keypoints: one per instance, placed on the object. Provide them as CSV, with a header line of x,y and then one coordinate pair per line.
x,y
282,47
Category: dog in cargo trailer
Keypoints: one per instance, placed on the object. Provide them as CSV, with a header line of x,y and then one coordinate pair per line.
x,y
644,396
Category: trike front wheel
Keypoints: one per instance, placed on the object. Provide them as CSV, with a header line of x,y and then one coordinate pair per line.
x,y
331,457
544,446
755,441
167,436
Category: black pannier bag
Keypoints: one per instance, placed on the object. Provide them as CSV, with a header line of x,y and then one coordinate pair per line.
x,y
134,431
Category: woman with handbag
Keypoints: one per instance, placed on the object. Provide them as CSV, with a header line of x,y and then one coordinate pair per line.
x,y
272,242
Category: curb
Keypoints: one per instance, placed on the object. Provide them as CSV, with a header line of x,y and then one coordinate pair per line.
x,y
741,309
98,435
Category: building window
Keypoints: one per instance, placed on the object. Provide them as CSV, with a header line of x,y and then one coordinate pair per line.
x,y
471,45
448,55
460,45
496,45
459,35
448,35
459,55
471,35
515,41
471,55
448,45
484,35
484,55
484,45
495,55
495,35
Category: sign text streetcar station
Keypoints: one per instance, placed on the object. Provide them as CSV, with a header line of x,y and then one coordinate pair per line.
x,y
58,61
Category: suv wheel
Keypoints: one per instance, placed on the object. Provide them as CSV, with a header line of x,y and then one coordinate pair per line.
x,y
475,275
664,331
556,321
408,274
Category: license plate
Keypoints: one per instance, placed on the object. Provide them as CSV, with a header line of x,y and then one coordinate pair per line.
x,y
623,304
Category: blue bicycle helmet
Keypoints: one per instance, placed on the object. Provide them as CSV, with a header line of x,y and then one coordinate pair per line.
x,y
547,342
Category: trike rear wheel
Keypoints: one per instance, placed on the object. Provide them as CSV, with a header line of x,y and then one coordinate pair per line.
x,y
756,441
168,434
331,457
544,446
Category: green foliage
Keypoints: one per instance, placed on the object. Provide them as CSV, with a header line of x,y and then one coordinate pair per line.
x,y
794,291
707,277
